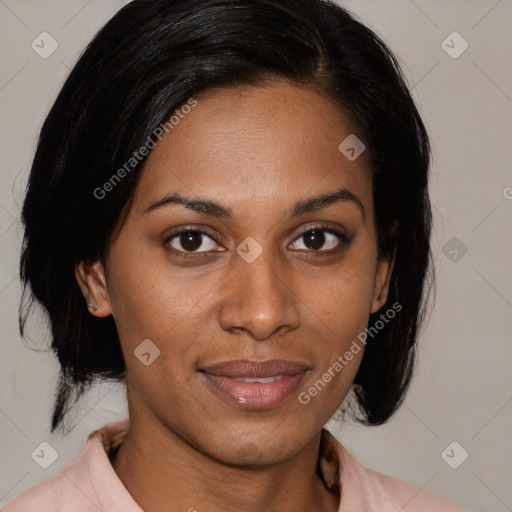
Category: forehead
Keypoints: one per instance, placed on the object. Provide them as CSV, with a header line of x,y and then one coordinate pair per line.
x,y
277,142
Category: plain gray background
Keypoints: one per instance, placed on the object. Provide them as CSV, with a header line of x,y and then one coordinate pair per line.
x,y
462,391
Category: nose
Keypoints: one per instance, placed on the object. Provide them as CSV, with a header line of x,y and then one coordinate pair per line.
x,y
258,298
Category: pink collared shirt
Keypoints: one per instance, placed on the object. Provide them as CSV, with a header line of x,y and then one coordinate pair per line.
x,y
92,485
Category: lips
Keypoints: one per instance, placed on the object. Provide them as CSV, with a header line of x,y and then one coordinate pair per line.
x,y
251,369
253,384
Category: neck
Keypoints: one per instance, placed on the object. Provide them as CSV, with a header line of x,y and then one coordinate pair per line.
x,y
164,472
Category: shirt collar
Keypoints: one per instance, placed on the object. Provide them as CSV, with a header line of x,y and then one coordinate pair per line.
x,y
340,471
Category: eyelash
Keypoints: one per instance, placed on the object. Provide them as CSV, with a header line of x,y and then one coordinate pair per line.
x,y
344,240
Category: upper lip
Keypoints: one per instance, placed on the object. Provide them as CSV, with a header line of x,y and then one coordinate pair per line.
x,y
253,368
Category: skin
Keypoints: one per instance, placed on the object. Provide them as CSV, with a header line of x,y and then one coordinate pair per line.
x,y
258,151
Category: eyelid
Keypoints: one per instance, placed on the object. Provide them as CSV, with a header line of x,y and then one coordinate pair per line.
x,y
323,227
344,237
192,229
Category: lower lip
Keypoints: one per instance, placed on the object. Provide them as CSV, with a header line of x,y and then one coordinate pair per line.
x,y
254,395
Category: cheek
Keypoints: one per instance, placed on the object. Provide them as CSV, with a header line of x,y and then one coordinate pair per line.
x,y
151,302
343,297
341,304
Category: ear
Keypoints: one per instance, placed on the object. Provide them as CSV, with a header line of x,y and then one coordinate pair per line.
x,y
383,277
90,276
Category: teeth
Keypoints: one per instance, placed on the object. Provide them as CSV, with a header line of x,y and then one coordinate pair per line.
x,y
261,380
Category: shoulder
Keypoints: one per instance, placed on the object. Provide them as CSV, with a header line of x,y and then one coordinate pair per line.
x,y
409,497
366,489
74,489
45,497
70,490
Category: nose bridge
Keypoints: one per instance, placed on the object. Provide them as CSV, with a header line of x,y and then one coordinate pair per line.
x,y
258,299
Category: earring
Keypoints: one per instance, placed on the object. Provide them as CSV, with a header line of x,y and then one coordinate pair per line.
x,y
93,306
396,289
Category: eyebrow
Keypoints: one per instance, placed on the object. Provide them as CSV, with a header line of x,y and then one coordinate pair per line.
x,y
216,210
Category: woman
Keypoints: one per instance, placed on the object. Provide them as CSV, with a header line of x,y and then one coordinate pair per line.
x,y
228,210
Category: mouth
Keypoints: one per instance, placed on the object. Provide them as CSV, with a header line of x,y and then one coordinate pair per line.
x,y
253,384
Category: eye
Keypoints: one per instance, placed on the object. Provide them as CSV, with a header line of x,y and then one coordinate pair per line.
x,y
193,241
318,237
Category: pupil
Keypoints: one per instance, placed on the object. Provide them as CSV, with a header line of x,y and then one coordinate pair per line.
x,y
191,241
315,239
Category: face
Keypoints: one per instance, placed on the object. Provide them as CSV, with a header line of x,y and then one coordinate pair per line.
x,y
263,272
